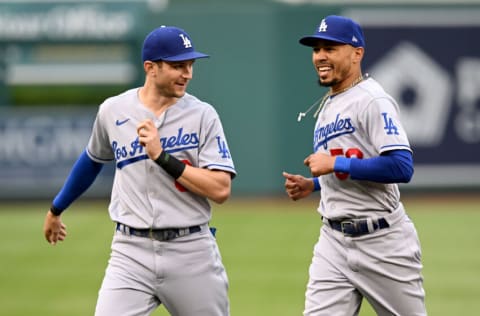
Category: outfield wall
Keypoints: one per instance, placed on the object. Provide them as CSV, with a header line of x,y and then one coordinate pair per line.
x,y
259,78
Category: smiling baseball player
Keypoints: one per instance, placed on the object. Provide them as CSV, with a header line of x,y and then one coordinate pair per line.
x,y
368,247
171,157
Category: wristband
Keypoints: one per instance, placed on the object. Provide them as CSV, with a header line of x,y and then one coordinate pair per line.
x,y
55,210
170,164
316,184
342,164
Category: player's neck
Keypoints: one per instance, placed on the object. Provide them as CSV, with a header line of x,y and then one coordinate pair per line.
x,y
333,92
155,102
345,85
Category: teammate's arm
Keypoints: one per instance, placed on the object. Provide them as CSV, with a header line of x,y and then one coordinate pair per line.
x,y
212,184
299,187
395,166
83,174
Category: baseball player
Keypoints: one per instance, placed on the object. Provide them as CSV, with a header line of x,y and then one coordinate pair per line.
x,y
171,158
368,247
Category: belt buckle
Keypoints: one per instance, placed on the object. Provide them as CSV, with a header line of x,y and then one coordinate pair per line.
x,y
169,234
348,228
162,234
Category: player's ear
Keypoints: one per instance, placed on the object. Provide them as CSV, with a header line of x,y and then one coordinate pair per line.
x,y
358,54
148,66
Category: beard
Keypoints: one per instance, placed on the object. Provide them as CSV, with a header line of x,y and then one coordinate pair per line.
x,y
327,83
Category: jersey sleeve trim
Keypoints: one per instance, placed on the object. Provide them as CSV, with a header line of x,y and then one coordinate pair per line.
x,y
229,169
395,147
97,159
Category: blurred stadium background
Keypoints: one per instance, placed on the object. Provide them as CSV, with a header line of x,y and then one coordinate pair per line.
x,y
60,59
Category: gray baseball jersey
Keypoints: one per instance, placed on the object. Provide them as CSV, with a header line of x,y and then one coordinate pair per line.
x,y
362,122
143,194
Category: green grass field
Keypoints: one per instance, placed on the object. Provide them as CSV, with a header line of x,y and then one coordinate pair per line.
x,y
266,246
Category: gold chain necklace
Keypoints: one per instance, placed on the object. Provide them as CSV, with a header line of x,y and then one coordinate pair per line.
x,y
321,102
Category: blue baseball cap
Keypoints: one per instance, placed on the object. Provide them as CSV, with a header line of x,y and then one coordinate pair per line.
x,y
337,29
169,43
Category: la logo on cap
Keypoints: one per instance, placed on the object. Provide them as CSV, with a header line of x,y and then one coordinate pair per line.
x,y
186,42
323,26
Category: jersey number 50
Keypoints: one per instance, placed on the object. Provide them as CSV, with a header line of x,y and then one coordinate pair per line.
x,y
351,152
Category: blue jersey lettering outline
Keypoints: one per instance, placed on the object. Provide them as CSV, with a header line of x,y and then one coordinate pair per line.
x,y
125,155
337,128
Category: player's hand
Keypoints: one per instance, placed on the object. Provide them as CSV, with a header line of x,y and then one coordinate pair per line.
x,y
320,164
297,186
149,138
53,228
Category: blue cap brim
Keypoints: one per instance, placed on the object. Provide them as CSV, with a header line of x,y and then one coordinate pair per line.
x,y
186,56
312,40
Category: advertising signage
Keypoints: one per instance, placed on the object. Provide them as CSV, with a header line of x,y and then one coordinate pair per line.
x,y
68,22
429,61
62,43
39,147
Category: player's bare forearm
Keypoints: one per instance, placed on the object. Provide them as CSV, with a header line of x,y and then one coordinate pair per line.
x,y
54,229
320,164
297,186
212,184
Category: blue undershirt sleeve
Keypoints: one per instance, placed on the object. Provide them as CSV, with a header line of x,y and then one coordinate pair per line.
x,y
83,173
395,166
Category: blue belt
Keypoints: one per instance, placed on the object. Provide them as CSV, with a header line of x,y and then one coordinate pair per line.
x,y
158,234
358,227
